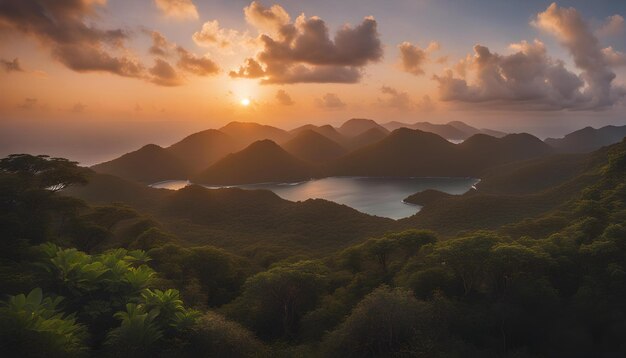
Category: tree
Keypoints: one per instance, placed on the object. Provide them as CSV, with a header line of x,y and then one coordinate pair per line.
x,y
273,301
467,257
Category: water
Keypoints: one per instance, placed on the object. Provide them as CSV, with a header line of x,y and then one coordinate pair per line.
x,y
374,196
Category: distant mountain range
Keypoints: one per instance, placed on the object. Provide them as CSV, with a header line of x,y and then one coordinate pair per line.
x,y
242,153
588,139
455,130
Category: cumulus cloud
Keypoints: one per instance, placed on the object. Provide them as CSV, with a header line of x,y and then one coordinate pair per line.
x,y
413,58
614,25
177,9
63,27
613,57
201,66
284,98
212,34
164,74
303,51
266,19
160,45
530,79
400,100
330,101
11,66
395,99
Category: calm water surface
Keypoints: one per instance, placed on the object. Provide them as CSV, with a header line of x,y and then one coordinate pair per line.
x,y
375,196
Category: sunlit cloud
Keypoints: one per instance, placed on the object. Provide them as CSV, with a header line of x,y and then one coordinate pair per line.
x,y
177,9
303,52
413,58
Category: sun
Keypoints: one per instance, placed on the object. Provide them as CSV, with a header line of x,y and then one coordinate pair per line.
x,y
245,102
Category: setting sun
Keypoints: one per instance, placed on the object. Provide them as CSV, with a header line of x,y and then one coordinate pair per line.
x,y
245,102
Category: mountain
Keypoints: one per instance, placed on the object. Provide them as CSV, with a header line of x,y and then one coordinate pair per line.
x,y
247,132
326,130
149,164
483,151
314,147
470,131
356,126
407,152
261,162
404,152
588,139
202,149
366,138
455,130
238,218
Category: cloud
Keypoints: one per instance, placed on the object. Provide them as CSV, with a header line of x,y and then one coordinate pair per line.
x,y
62,27
568,26
402,101
395,99
284,98
164,74
268,19
201,66
413,58
614,25
177,9
613,57
29,103
303,52
11,66
530,79
330,101
160,45
212,34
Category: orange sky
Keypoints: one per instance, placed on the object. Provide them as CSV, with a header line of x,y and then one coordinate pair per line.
x,y
93,61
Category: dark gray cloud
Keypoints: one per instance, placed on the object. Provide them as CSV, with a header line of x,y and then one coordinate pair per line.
x,y
11,66
160,45
303,51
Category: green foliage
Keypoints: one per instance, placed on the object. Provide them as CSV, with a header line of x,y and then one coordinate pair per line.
x,y
137,334
33,325
273,302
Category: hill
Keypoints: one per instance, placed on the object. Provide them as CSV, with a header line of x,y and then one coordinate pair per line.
x,y
356,126
149,164
407,152
588,139
326,130
261,162
366,138
237,218
455,130
247,132
199,150
312,146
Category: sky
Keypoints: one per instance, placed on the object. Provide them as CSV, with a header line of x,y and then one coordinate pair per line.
x,y
92,79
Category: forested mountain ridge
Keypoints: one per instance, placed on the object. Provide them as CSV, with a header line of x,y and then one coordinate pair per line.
x,y
525,288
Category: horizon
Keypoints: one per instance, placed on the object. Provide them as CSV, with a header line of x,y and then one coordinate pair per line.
x,y
102,74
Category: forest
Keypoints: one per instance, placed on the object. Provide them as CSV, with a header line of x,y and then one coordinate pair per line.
x,y
84,278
